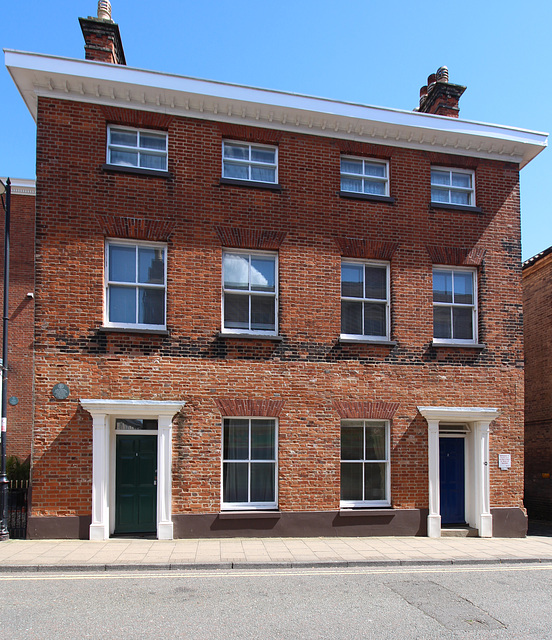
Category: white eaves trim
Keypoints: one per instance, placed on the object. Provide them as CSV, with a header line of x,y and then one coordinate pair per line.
x,y
39,75
21,186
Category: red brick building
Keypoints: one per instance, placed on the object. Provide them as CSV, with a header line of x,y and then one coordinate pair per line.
x,y
264,314
21,316
537,311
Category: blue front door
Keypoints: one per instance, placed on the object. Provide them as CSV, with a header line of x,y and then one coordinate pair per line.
x,y
452,480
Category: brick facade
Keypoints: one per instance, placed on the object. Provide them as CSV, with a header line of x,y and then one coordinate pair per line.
x,y
537,309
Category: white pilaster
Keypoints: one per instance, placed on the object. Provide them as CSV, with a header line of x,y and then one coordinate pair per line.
x,y
164,478
434,517
99,528
485,524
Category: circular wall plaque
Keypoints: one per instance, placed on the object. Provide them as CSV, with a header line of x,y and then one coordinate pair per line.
x,y
13,401
60,391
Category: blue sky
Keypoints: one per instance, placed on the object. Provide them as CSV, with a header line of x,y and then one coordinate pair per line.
x,y
375,53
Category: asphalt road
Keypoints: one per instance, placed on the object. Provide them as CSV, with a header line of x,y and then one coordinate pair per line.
x,y
486,601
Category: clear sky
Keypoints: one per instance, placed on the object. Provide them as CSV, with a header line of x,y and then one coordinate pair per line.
x,y
374,53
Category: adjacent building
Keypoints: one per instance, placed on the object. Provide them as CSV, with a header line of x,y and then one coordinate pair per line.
x,y
267,314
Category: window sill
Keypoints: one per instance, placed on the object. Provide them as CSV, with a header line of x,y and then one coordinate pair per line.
x,y
366,511
455,207
250,336
384,343
156,332
366,196
249,515
269,186
115,168
457,345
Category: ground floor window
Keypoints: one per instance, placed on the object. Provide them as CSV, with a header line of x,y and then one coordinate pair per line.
x,y
365,463
249,463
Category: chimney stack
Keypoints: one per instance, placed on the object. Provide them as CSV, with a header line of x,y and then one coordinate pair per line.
x,y
440,96
101,36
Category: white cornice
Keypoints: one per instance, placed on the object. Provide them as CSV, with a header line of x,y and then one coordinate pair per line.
x,y
132,408
462,414
48,76
21,186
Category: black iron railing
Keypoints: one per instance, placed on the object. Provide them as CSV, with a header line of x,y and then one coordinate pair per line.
x,y
18,495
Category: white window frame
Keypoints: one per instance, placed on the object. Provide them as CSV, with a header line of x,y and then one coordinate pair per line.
x,y
137,286
451,188
137,149
249,506
250,163
386,502
365,177
371,263
249,292
451,305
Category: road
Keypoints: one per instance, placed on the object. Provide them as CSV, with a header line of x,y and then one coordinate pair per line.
x,y
485,601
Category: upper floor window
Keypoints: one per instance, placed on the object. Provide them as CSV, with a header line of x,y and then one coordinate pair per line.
x,y
137,148
361,175
249,463
365,300
249,300
135,284
452,186
251,162
365,476
454,305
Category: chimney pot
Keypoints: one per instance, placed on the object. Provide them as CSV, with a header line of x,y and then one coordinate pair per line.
x,y
423,91
104,10
431,80
442,74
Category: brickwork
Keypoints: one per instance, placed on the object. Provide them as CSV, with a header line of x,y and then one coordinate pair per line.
x,y
537,309
21,320
309,371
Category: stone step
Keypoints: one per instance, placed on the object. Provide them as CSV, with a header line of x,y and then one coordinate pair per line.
x,y
459,532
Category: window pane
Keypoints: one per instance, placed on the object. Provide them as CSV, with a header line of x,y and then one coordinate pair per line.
x,y
440,177
122,304
463,287
151,266
442,322
262,313
375,443
351,317
352,442
262,439
239,172
351,166
352,280
462,322
461,180
239,152
374,319
262,482
234,481
260,154
263,274
149,161
153,141
376,282
262,174
374,188
123,137
236,439
152,306
236,271
350,184
236,311
374,169
442,286
374,481
460,197
439,195
124,158
351,481
122,263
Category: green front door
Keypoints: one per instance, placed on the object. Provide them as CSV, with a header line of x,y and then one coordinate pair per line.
x,y
135,484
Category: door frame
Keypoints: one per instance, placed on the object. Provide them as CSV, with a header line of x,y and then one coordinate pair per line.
x,y
104,413
477,497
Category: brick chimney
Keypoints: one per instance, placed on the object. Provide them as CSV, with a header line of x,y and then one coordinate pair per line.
x,y
440,96
101,36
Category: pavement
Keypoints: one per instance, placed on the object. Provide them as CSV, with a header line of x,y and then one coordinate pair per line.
x,y
119,554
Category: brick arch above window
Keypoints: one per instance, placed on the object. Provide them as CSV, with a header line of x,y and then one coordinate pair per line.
x,y
135,228
260,408
367,249
456,256
365,410
239,238
238,132
134,118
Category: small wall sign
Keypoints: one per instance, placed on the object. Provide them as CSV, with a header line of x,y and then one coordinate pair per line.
x,y
13,401
60,391
504,461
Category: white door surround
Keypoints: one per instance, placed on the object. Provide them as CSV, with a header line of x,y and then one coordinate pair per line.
x,y
478,512
103,414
